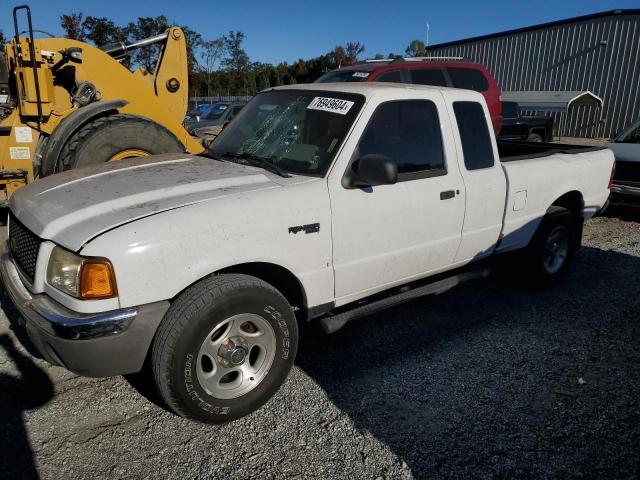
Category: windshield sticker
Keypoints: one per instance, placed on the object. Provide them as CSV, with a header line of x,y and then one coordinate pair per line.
x,y
333,105
361,74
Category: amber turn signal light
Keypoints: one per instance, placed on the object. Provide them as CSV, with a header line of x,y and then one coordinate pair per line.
x,y
97,280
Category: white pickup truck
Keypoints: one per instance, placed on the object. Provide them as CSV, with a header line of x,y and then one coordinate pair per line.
x,y
323,201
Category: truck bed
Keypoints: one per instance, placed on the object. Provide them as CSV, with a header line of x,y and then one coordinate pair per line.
x,y
512,150
535,172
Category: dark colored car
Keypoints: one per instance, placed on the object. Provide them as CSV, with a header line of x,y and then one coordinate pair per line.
x,y
626,180
219,114
535,128
440,73
195,110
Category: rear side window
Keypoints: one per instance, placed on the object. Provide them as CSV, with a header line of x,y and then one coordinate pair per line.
x,y
343,76
468,78
392,76
428,76
474,135
408,132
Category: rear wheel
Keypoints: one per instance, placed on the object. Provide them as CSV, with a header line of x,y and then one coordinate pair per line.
x,y
224,348
116,137
552,248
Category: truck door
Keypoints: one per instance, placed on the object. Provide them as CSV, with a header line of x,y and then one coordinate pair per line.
x,y
391,234
484,179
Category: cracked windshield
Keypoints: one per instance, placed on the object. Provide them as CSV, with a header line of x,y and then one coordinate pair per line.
x,y
295,131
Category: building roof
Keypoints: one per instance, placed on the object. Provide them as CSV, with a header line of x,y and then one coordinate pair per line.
x,y
551,101
592,16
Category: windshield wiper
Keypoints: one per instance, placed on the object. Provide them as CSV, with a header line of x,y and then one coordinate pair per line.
x,y
257,161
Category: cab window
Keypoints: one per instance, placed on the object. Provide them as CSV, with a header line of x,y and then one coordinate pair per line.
x,y
474,135
407,132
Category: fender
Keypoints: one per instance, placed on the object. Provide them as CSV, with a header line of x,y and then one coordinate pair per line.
x,y
71,124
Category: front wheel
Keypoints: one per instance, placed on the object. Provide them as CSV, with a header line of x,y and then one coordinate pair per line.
x,y
224,348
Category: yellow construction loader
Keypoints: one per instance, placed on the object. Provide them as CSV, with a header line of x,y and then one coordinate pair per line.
x,y
66,104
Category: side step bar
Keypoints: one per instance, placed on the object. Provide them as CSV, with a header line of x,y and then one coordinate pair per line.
x,y
333,323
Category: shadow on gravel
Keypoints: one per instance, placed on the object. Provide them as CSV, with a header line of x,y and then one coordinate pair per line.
x,y
630,214
31,389
494,380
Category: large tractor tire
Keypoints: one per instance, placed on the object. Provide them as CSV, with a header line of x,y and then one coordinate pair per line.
x,y
116,137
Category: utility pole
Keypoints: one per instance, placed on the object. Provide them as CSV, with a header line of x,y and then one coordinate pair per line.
x,y
426,43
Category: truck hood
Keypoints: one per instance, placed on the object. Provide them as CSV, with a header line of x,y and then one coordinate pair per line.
x,y
73,207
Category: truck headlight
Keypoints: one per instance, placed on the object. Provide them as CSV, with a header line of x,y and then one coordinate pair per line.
x,y
81,277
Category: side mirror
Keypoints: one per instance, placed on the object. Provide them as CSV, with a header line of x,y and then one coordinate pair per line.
x,y
372,170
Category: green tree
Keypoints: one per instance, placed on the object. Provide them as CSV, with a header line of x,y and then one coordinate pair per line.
x,y
211,54
146,27
352,50
237,61
101,31
252,86
72,25
379,56
416,49
338,56
263,81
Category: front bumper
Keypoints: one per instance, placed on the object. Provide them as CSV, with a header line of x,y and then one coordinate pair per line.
x,y
90,344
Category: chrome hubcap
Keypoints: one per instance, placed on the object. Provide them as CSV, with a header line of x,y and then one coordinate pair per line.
x,y
236,356
556,249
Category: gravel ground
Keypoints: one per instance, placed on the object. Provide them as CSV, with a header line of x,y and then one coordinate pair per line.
x,y
489,380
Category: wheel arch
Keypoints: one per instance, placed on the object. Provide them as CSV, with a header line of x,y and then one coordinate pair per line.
x,y
72,124
275,275
572,201
279,277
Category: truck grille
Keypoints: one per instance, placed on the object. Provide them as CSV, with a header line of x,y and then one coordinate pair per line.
x,y
24,246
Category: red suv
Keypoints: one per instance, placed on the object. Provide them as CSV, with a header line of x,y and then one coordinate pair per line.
x,y
442,73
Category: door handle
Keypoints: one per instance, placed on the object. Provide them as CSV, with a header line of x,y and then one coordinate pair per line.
x,y
447,194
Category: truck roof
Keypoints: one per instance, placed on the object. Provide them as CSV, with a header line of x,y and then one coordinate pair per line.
x,y
368,66
366,88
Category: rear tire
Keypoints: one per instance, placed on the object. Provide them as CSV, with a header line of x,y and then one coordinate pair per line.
x,y
116,137
549,255
224,348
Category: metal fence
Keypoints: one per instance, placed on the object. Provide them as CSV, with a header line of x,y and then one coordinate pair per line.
x,y
600,53
232,98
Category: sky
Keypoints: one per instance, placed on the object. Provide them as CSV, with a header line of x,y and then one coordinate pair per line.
x,y
288,30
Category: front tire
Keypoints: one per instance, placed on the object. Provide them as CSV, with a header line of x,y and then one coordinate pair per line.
x,y
224,348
